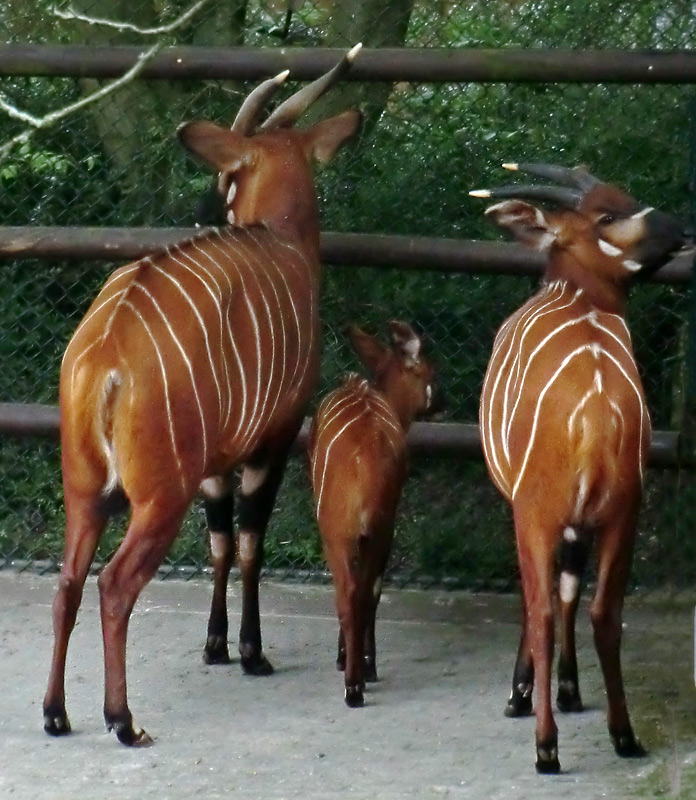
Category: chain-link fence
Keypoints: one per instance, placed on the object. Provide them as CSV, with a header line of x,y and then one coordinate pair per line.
x,y
423,147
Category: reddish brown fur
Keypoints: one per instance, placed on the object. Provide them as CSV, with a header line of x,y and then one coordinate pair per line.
x,y
188,364
566,435
357,451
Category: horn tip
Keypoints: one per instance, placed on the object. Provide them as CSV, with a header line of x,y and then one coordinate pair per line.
x,y
480,193
511,166
281,76
353,52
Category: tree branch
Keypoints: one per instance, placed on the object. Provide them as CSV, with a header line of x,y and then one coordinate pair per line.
x,y
38,123
71,14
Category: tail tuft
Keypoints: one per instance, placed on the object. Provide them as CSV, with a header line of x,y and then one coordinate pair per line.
x,y
109,394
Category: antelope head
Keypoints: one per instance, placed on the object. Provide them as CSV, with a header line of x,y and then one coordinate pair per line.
x,y
593,227
264,169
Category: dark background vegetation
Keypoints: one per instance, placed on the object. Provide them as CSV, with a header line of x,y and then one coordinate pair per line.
x,y
423,147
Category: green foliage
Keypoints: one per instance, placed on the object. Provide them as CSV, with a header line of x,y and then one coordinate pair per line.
x,y
408,174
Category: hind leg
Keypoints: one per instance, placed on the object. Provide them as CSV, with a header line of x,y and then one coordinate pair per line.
x,y
535,547
614,553
84,525
150,533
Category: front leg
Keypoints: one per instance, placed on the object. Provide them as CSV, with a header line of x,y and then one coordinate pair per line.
x,y
219,511
259,486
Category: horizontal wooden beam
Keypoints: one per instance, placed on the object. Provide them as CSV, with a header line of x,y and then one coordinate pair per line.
x,y
337,249
20,420
383,64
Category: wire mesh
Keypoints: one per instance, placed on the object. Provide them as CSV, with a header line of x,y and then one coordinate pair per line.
x,y
423,147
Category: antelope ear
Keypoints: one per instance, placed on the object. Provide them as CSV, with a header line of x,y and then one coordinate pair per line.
x,y
406,342
524,221
370,352
326,137
221,148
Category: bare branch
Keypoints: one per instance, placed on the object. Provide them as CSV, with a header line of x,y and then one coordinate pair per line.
x,y
46,121
71,14
39,123
17,113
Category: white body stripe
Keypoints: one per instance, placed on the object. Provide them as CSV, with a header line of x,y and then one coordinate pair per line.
x,y
353,402
534,350
235,312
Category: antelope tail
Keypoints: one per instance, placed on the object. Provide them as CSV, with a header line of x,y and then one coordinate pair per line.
x,y
108,394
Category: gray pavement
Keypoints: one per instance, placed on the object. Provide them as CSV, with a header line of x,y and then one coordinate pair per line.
x,y
432,727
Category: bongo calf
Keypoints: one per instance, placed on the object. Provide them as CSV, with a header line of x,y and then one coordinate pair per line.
x,y
357,452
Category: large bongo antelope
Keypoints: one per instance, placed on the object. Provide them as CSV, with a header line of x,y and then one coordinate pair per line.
x,y
357,457
566,430
190,363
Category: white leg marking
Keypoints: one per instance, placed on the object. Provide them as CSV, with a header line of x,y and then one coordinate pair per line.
x,y
568,587
215,488
570,535
253,478
247,545
220,544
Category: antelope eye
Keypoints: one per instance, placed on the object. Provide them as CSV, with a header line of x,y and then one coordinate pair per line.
x,y
606,219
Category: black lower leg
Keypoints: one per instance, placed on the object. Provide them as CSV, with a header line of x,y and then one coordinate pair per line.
x,y
572,561
219,514
547,756
519,703
255,506
341,654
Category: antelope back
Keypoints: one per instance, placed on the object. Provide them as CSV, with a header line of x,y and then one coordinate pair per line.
x,y
357,444
562,406
201,354
563,414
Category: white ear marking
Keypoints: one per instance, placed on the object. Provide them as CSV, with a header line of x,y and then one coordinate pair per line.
x,y
546,241
231,192
608,249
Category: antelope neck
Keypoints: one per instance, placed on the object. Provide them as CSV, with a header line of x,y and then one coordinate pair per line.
x,y
402,408
602,291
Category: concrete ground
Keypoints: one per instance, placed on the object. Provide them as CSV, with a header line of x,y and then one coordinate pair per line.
x,y
432,727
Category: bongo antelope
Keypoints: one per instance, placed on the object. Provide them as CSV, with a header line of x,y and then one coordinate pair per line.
x,y
190,363
357,456
566,430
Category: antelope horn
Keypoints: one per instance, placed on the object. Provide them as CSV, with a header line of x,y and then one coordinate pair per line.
x,y
570,176
562,196
291,109
251,108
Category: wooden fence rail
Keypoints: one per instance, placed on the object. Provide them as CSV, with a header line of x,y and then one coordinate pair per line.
x,y
383,64
337,249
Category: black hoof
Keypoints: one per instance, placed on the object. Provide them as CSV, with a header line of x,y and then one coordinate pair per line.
x,y
370,672
257,665
547,758
626,745
548,766
354,697
216,650
56,722
126,733
519,705
568,701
